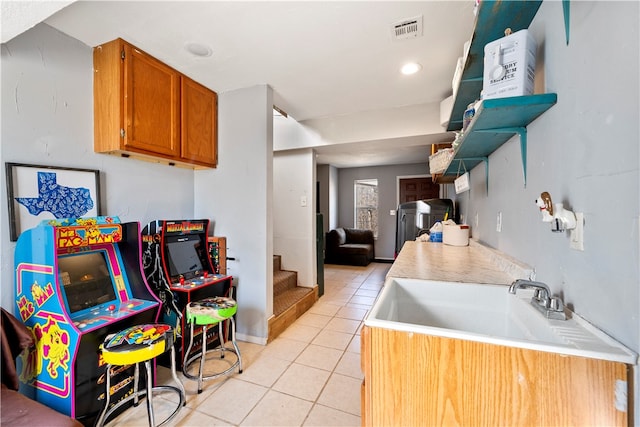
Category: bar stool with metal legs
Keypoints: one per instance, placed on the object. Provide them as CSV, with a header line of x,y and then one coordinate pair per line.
x,y
209,312
135,345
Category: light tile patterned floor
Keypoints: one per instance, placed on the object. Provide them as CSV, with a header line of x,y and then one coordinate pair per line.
x,y
309,376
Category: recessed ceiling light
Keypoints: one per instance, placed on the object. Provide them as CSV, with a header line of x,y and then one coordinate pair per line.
x,y
198,49
410,68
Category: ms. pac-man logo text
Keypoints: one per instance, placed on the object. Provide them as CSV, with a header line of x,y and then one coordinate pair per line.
x,y
92,234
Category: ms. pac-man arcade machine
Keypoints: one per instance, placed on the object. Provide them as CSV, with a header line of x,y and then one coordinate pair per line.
x,y
77,281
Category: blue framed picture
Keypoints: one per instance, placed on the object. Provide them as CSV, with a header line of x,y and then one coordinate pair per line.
x,y
36,193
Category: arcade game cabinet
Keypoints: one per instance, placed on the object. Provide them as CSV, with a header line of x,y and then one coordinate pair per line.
x,y
178,268
77,281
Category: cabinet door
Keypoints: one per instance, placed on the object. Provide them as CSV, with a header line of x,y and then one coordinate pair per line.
x,y
151,105
419,379
199,124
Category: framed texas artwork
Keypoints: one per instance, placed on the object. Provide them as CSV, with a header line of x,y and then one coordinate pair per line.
x,y
36,193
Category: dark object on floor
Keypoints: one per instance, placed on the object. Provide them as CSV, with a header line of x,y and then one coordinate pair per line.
x,y
18,409
349,246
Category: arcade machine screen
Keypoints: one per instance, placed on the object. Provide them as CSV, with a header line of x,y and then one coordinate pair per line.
x,y
87,281
184,258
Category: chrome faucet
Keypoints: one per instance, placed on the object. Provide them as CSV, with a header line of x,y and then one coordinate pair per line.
x,y
542,293
551,307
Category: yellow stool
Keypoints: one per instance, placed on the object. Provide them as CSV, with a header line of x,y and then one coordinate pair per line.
x,y
135,345
206,313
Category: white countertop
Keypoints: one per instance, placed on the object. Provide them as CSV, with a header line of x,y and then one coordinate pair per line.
x,y
475,263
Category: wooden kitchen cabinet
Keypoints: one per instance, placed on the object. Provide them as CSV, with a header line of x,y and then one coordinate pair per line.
x,y
199,107
417,379
146,109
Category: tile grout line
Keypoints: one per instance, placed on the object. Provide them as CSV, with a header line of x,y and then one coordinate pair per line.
x,y
346,281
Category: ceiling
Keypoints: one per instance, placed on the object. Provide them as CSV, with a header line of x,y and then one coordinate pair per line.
x,y
328,62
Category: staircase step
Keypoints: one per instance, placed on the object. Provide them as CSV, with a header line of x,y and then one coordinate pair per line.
x,y
289,298
284,280
288,307
290,301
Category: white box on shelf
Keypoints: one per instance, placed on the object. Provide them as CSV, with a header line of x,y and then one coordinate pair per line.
x,y
446,106
509,66
465,49
457,76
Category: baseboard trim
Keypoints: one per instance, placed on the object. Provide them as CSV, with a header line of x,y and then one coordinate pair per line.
x,y
251,338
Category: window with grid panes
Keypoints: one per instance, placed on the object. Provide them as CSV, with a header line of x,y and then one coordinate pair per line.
x,y
366,205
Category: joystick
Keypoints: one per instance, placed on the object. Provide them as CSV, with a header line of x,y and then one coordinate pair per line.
x,y
111,307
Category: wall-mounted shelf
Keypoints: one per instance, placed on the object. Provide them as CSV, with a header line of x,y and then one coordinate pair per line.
x,y
495,122
493,18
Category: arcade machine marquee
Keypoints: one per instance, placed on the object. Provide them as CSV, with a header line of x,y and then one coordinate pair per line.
x,y
77,281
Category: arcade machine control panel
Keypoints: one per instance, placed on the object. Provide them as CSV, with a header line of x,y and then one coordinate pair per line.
x,y
106,313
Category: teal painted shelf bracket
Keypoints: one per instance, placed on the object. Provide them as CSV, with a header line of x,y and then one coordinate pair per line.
x,y
566,9
522,132
486,167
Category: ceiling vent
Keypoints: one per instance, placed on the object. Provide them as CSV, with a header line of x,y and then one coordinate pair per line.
x,y
407,28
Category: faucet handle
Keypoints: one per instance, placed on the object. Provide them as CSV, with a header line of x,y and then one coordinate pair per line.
x,y
556,304
541,295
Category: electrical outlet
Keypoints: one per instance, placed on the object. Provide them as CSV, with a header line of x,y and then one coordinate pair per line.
x,y
392,212
476,221
577,234
499,222
303,201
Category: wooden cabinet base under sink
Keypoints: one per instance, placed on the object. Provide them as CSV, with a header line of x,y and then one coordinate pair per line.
x,y
417,380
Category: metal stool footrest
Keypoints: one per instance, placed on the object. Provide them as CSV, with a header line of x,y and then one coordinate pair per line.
x,y
210,312
143,393
197,358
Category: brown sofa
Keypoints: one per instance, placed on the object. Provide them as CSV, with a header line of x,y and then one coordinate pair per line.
x,y
18,409
349,246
